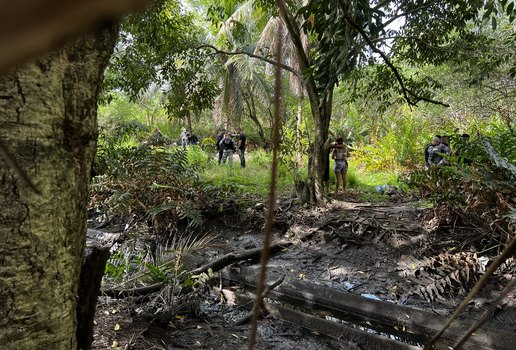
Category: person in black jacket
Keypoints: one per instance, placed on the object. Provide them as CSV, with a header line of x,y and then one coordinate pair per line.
x,y
429,149
463,143
219,137
228,148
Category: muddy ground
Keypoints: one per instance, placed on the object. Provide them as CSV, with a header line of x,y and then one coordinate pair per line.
x,y
376,250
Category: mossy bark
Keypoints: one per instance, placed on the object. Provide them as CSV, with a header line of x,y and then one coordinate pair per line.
x,y
48,120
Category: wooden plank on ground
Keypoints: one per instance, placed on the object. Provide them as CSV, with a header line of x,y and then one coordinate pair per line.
x,y
418,322
335,330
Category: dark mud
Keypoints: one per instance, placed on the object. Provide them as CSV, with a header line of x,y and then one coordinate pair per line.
x,y
356,247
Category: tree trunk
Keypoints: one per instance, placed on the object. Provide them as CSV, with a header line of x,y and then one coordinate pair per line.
x,y
299,119
189,121
48,119
251,108
320,105
318,163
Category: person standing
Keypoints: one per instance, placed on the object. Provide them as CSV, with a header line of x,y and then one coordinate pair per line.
x,y
340,155
219,137
184,137
193,139
228,148
442,151
429,150
241,146
157,135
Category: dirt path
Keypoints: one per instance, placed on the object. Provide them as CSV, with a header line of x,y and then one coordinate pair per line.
x,y
379,251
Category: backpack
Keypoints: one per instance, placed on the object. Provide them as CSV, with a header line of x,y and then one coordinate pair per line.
x,y
228,144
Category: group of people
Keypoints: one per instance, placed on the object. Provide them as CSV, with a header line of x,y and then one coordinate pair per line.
x,y
227,147
224,143
188,138
438,151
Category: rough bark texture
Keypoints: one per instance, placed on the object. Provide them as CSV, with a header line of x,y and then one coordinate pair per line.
x,y
321,108
319,160
48,120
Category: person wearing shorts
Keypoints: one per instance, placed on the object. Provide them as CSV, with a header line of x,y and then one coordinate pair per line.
x,y
340,155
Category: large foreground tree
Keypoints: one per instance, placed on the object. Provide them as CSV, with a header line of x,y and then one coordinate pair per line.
x,y
48,120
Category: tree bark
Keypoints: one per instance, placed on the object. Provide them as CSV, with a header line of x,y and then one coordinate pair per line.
x,y
251,108
48,119
321,107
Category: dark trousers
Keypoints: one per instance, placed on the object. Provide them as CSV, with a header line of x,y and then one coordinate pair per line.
x,y
221,151
241,154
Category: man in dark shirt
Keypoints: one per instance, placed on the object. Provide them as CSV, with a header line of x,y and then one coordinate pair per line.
x,y
463,143
220,136
241,146
228,148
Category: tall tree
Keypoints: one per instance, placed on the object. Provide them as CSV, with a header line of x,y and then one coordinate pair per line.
x,y
48,118
346,35
156,48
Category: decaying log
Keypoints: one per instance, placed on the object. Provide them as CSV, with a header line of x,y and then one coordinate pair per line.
x,y
89,286
335,330
420,324
215,265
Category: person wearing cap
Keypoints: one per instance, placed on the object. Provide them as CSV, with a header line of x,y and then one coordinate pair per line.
x,y
340,155
228,148
184,137
219,137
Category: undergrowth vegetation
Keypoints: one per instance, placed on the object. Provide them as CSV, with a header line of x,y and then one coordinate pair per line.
x,y
163,194
480,195
147,183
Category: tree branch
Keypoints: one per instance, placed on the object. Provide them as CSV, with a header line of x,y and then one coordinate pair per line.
x,y
304,61
265,59
404,89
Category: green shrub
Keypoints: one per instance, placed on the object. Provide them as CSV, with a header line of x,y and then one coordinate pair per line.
x,y
147,182
483,191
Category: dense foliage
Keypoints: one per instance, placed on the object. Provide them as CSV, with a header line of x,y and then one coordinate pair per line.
x,y
215,66
480,194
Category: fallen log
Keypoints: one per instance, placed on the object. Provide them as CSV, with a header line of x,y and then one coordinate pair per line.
x,y
230,258
265,292
335,330
215,265
418,325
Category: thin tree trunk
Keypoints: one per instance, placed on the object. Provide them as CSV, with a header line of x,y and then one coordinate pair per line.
x,y
251,107
189,120
299,118
319,155
48,119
